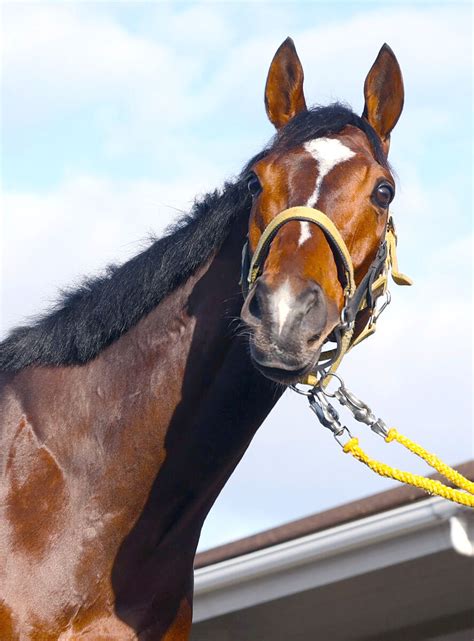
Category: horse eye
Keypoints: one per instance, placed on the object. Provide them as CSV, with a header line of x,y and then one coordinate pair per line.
x,y
383,195
253,184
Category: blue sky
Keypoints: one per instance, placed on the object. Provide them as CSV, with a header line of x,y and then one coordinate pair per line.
x,y
115,115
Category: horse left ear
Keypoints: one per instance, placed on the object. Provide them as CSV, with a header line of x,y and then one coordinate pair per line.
x,y
384,95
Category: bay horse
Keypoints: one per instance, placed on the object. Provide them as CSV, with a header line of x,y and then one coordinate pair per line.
x,y
127,407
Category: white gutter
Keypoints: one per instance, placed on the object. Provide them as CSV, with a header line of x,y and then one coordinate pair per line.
x,y
331,555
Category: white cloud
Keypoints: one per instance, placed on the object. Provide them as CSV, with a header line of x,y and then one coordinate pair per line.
x,y
79,228
62,57
195,27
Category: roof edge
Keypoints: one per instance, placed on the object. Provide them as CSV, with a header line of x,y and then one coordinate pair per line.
x,y
367,506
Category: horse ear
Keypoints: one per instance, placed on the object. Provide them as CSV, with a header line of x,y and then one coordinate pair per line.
x,y
383,92
284,97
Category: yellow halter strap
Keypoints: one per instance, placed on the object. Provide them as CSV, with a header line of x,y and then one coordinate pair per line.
x,y
310,215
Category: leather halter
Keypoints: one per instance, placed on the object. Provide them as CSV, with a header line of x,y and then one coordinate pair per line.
x,y
357,300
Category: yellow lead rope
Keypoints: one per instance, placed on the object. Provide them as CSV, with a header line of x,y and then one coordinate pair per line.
x,y
428,485
433,461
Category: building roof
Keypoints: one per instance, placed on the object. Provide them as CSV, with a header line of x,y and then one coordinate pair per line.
x,y
395,565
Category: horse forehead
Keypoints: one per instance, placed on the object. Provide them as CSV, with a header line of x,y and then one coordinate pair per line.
x,y
328,152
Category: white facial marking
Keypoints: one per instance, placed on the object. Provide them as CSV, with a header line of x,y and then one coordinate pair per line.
x,y
305,233
328,152
282,301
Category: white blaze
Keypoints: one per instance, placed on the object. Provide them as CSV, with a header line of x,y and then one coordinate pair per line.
x,y
282,302
305,233
328,152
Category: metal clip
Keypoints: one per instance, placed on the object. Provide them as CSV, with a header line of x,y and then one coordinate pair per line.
x,y
360,410
327,415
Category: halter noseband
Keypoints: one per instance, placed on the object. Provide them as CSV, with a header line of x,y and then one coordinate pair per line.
x,y
358,299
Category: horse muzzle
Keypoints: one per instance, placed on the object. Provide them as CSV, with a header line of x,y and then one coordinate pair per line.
x,y
287,327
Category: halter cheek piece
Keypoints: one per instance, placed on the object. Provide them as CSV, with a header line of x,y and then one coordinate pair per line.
x,y
357,300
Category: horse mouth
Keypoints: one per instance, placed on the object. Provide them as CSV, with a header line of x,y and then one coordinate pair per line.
x,y
284,375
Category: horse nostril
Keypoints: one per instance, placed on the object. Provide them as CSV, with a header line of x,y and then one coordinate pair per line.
x,y
254,307
313,339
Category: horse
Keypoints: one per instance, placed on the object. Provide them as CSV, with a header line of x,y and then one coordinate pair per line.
x,y
127,406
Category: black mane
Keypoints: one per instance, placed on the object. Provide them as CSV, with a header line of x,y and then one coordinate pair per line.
x,y
98,312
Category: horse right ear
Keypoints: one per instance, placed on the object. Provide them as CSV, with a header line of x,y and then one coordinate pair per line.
x,y
284,97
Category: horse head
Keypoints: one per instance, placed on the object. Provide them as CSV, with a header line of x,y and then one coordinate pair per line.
x,y
329,159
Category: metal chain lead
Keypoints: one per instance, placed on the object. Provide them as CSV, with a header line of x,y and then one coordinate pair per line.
x,y
328,415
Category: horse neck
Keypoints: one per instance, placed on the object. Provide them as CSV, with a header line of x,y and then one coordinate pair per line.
x,y
141,440
208,400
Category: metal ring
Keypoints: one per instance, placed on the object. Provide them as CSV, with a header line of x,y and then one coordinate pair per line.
x,y
388,299
328,394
